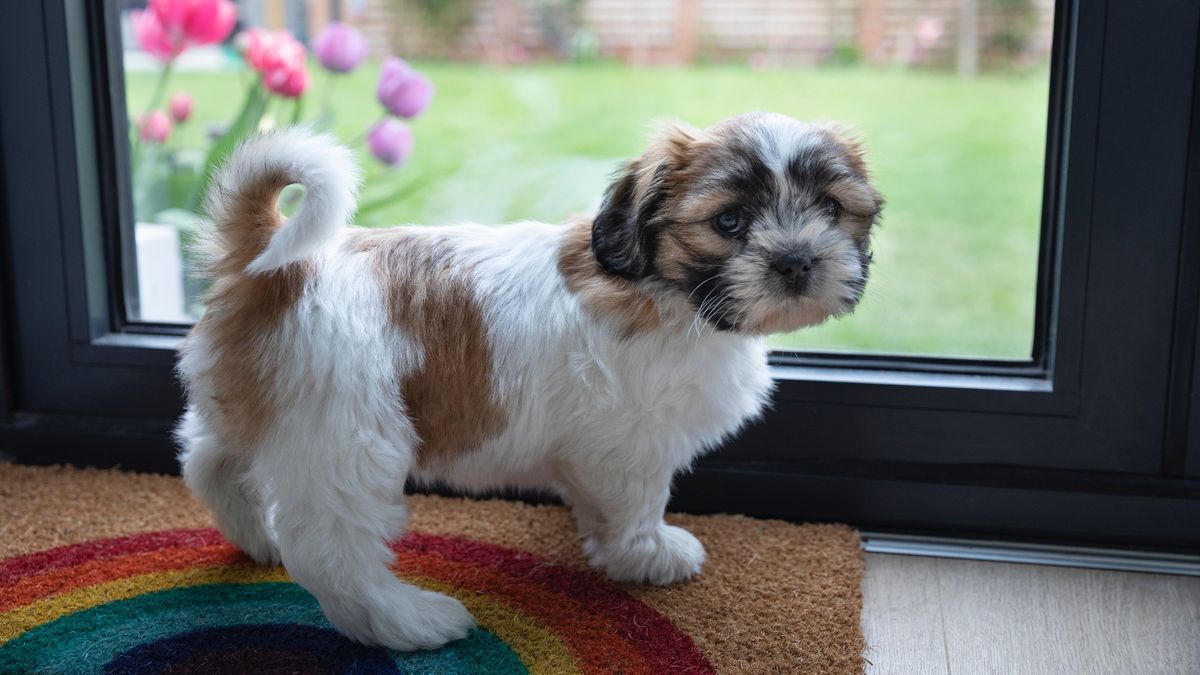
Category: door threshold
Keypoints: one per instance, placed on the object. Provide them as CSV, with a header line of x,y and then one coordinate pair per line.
x,y
1032,554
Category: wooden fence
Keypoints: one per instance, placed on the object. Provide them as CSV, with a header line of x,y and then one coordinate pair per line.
x,y
783,32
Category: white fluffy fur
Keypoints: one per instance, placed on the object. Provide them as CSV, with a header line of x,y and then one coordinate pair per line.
x,y
602,420
326,169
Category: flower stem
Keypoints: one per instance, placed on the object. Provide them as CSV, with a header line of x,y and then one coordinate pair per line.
x,y
160,88
298,112
160,91
362,137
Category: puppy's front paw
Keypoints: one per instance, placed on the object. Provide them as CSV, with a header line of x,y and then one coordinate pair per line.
x,y
402,617
668,555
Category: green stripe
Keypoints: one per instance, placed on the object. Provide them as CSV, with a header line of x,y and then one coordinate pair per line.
x,y
84,641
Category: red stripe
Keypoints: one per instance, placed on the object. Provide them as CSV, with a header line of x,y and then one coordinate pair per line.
x,y
60,580
589,635
665,647
12,569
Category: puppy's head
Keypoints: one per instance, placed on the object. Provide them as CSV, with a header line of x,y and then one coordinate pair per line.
x,y
761,223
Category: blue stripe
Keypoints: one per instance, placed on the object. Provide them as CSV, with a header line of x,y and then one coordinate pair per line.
x,y
85,641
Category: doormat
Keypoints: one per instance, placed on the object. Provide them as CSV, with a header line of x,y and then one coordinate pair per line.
x,y
105,571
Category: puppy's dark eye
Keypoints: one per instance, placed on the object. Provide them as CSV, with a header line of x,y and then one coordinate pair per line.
x,y
830,206
729,223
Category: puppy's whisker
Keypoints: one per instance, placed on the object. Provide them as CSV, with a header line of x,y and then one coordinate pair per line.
x,y
716,324
689,297
701,312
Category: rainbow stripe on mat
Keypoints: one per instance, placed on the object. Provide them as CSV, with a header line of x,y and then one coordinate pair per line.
x,y
185,601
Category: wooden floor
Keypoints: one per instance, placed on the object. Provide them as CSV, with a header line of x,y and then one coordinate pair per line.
x,y
959,617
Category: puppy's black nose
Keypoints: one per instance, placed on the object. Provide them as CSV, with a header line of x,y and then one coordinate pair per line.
x,y
794,268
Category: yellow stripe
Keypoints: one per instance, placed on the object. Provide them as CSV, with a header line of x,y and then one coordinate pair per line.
x,y
540,650
21,619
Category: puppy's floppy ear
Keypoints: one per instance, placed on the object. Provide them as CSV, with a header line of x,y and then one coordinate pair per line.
x,y
851,143
867,202
623,232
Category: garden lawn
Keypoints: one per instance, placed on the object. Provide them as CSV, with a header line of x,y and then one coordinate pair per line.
x,y
958,160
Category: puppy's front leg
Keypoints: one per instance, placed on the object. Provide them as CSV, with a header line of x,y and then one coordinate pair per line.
x,y
620,515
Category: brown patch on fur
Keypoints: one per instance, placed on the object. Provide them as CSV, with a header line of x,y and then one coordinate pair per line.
x,y
430,296
238,239
606,296
242,312
682,247
686,236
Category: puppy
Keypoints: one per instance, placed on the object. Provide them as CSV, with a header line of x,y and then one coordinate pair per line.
x,y
595,359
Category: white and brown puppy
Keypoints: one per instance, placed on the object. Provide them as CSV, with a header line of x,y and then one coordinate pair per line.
x,y
595,359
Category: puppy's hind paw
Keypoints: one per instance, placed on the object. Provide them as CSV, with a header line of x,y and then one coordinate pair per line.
x,y
264,552
404,618
256,542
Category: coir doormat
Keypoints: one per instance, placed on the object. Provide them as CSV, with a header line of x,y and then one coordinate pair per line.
x,y
104,571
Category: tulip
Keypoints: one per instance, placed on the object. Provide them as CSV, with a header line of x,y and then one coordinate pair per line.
x,y
154,127
254,43
287,81
153,38
340,47
280,58
402,90
168,27
201,22
390,141
181,107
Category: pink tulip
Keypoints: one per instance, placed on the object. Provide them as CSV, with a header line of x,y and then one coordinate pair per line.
x,y
340,47
255,42
171,13
210,21
289,82
168,27
153,38
280,58
390,141
201,22
181,107
155,127
402,90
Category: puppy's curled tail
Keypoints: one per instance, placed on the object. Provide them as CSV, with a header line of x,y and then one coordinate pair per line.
x,y
249,233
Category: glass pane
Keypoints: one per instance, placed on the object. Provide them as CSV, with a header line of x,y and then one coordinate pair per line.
x,y
537,102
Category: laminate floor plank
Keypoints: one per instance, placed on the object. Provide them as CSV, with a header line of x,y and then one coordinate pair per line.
x,y
1008,618
902,616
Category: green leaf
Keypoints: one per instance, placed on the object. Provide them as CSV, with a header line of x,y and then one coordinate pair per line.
x,y
245,124
369,206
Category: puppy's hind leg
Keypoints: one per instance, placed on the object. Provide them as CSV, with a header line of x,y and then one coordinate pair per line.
x,y
337,508
218,476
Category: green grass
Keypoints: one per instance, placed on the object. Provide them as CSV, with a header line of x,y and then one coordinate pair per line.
x,y
959,161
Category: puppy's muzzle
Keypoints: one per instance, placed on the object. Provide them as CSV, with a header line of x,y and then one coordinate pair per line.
x,y
795,270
